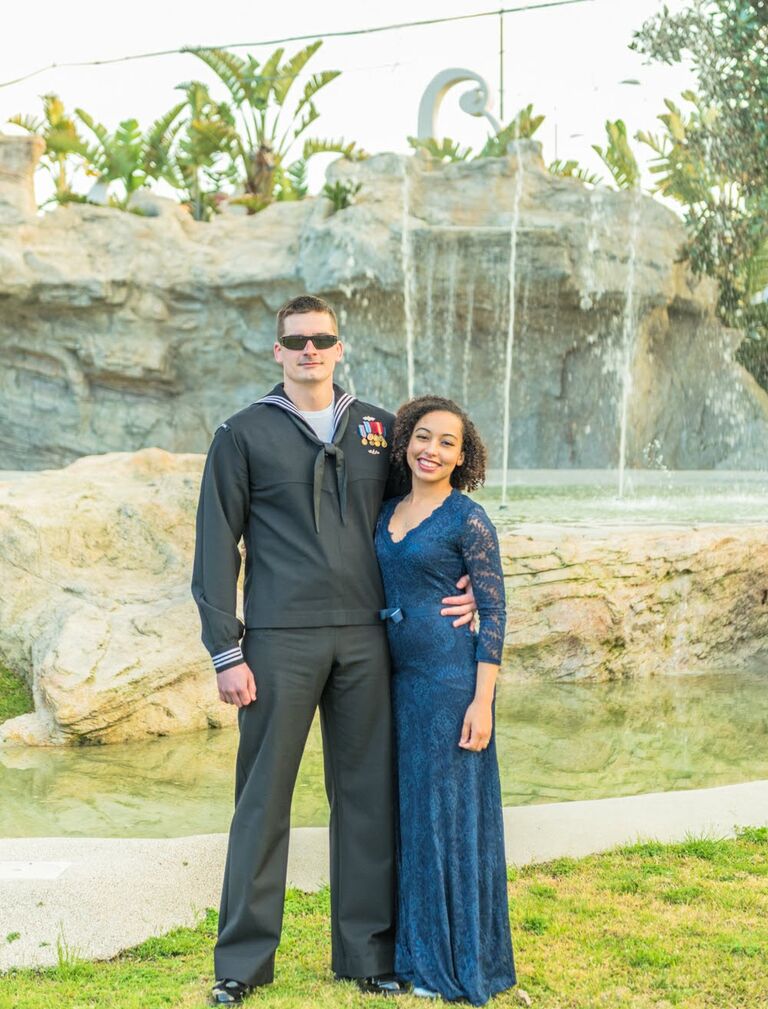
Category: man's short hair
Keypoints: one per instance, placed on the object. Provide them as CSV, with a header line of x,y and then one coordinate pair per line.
x,y
299,306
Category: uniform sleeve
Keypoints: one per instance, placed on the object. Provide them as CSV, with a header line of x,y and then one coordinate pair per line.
x,y
222,514
480,547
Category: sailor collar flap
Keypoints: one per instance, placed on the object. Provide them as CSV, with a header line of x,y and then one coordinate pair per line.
x,y
341,402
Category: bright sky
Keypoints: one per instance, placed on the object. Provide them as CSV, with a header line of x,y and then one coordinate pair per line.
x,y
568,61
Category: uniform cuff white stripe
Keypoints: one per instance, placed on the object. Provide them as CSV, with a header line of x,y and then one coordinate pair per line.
x,y
230,657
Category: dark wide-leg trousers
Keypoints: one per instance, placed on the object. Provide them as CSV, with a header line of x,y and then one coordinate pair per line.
x,y
346,671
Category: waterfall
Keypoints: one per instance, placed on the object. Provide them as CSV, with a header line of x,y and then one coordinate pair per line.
x,y
511,325
407,267
591,289
467,357
628,337
450,318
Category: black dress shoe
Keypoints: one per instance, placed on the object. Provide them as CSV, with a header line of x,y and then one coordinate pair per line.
x,y
379,984
227,991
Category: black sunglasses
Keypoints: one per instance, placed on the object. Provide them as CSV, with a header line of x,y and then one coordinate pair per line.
x,y
320,341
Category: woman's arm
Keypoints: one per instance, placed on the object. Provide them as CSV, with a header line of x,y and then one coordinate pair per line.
x,y
482,557
478,720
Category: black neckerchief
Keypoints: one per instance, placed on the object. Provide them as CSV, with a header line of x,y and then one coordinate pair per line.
x,y
341,403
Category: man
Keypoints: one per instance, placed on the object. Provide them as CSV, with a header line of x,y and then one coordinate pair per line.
x,y
301,474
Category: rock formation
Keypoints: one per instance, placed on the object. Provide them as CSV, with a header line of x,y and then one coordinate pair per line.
x,y
605,603
121,331
100,619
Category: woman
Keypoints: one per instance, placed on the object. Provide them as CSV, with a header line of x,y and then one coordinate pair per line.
x,y
453,935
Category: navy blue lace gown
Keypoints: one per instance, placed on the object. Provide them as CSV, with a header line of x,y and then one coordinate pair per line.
x,y
452,922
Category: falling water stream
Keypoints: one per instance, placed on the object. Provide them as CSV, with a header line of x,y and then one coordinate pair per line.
x,y
467,356
405,256
628,338
511,325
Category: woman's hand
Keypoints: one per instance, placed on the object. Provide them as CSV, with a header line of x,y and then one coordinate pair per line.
x,y
477,727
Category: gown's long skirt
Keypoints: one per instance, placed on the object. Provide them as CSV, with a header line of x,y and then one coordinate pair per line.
x,y
453,931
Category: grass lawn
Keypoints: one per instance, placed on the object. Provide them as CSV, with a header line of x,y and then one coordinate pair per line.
x,y
651,925
15,695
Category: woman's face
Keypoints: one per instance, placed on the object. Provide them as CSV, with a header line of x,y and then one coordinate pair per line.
x,y
435,448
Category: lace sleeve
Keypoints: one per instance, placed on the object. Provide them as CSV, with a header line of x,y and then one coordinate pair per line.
x,y
480,547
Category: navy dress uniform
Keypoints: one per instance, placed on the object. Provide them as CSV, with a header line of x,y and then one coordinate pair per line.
x,y
312,635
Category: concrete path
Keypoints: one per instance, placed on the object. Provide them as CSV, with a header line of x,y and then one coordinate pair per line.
x,y
97,896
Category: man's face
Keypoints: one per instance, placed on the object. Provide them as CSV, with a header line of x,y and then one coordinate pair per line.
x,y
309,364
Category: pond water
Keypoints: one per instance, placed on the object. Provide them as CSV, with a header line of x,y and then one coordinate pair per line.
x,y
651,497
556,742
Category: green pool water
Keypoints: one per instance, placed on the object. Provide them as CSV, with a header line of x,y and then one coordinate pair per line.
x,y
556,742
651,497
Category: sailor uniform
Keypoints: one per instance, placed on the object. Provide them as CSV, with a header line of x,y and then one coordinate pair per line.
x,y
312,635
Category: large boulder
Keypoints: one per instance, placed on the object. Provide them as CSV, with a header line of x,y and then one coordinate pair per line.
x,y
97,611
121,331
605,603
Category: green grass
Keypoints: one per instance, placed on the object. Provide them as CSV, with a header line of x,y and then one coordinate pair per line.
x,y
647,926
15,695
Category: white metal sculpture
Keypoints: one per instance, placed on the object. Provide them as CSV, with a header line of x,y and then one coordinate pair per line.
x,y
476,102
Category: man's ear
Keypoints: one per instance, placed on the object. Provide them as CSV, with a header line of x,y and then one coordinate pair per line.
x,y
277,350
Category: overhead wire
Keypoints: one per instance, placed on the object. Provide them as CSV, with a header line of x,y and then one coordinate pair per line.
x,y
348,33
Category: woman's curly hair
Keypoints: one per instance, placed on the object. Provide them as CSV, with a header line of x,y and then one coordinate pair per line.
x,y
471,473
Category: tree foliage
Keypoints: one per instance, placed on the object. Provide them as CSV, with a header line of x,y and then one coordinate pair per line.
x,y
715,158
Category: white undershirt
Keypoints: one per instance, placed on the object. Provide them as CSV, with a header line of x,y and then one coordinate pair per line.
x,y
321,421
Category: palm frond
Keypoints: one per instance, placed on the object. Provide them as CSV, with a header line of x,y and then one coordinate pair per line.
x,y
98,129
162,125
573,170
307,119
231,70
618,156
443,150
349,150
313,85
521,127
267,80
29,123
291,70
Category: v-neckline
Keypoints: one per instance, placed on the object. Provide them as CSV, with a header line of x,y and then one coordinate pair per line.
x,y
413,529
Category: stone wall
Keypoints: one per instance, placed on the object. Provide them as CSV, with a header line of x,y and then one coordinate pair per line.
x,y
120,331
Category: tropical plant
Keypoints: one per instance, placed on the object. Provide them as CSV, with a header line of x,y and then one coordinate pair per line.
x,y
618,157
573,170
441,150
341,193
192,152
115,157
521,127
63,146
262,134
